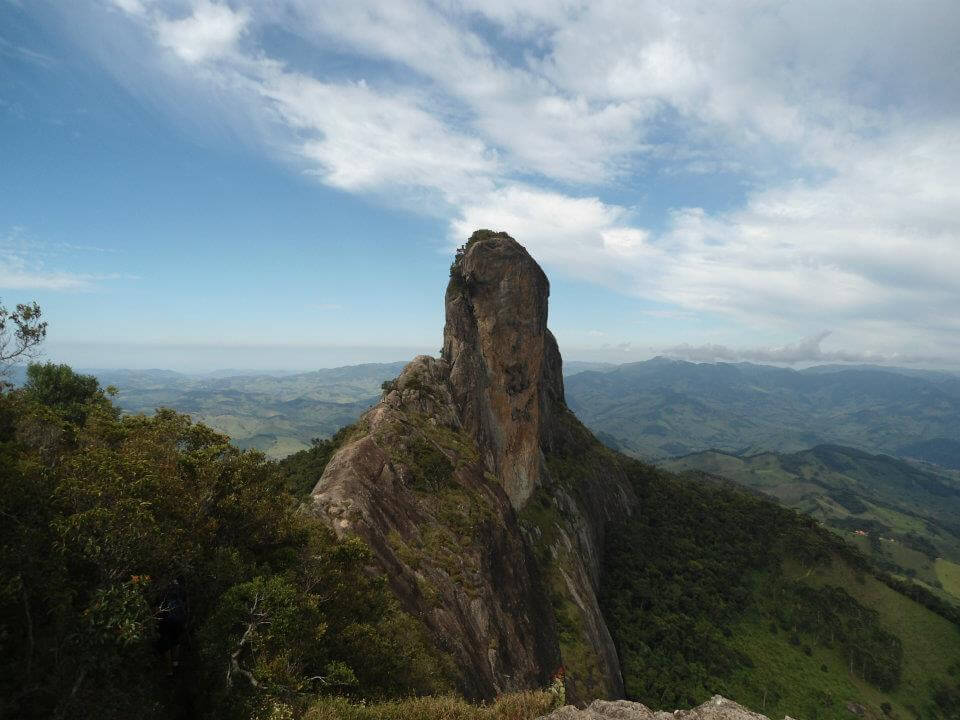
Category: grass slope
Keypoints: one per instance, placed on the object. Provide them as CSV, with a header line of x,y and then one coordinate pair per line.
x,y
948,573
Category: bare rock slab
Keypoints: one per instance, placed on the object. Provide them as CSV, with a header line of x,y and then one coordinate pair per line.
x,y
716,708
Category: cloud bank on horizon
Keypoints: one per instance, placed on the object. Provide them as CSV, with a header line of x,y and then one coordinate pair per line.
x,y
831,129
807,351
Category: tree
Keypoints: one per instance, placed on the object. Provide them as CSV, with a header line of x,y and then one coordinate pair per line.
x,y
69,393
150,569
21,331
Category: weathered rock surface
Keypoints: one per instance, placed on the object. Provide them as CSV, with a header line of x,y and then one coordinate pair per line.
x,y
483,497
716,708
494,340
445,535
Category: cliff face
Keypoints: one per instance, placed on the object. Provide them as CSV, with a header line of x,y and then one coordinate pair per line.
x,y
483,497
497,343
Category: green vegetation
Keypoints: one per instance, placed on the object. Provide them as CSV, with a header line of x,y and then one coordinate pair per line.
x,y
512,706
151,569
941,451
427,456
431,469
301,470
543,523
576,457
948,573
21,331
902,516
278,415
709,589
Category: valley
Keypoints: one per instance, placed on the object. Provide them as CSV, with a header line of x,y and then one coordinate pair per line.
x,y
664,408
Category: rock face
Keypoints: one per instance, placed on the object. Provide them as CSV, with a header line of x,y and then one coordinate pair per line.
x,y
716,708
483,498
411,483
496,341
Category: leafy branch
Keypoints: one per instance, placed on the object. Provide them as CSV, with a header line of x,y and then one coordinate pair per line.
x,y
21,331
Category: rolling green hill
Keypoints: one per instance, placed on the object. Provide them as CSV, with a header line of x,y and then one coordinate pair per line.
x,y
278,414
940,451
906,518
662,408
655,409
711,589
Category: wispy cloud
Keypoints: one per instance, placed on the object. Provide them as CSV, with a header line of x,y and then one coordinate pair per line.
x,y
28,263
19,52
540,118
15,274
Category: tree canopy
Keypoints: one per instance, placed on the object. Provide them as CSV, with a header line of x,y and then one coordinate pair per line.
x,y
149,568
21,331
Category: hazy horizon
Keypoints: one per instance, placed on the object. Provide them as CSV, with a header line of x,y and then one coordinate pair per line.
x,y
209,359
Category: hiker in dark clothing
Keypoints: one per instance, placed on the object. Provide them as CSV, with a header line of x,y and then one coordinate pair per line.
x,y
171,617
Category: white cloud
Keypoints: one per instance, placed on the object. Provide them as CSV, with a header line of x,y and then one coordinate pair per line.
x,y
25,260
17,274
362,139
210,31
879,241
538,126
842,120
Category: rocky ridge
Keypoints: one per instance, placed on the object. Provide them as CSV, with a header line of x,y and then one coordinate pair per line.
x,y
482,496
716,708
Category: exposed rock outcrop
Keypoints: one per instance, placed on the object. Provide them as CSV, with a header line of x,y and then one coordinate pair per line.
x,y
483,497
716,708
496,341
411,483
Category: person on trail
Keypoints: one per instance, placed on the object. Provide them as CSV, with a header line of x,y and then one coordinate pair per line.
x,y
171,617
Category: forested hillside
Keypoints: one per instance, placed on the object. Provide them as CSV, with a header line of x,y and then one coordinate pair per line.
x,y
905,517
160,571
709,589
151,569
276,413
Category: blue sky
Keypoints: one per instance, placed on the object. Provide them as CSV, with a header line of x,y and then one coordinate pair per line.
x,y
198,184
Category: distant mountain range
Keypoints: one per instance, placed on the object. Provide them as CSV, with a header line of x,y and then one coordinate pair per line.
x,y
655,409
662,408
278,413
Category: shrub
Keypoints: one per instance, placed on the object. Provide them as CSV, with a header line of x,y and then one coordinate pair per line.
x,y
144,540
513,706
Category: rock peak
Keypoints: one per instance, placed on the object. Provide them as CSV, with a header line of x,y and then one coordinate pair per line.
x,y
505,365
432,478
